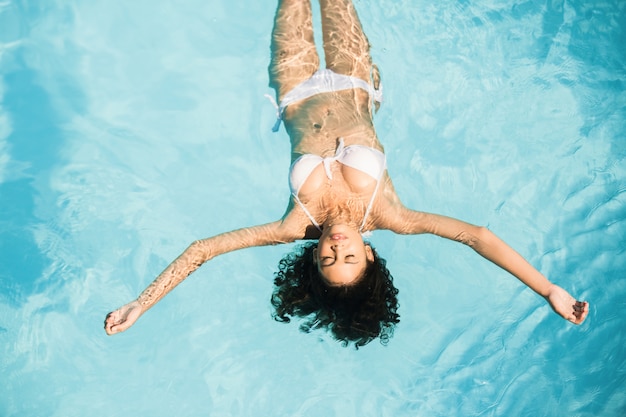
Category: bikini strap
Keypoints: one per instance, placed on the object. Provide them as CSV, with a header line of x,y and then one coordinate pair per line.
x,y
371,203
315,223
279,115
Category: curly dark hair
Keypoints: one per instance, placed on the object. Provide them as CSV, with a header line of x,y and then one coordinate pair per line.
x,y
355,313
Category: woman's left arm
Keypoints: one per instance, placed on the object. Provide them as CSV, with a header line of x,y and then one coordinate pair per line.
x,y
488,245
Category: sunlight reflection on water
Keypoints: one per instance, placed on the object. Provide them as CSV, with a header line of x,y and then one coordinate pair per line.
x,y
129,130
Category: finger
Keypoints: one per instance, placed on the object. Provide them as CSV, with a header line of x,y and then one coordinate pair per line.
x,y
585,311
581,306
575,318
110,321
581,313
111,325
113,316
113,329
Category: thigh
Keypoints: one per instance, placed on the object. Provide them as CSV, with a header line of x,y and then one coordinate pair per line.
x,y
294,57
346,47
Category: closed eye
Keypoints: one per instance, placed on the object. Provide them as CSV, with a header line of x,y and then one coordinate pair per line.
x,y
329,261
350,259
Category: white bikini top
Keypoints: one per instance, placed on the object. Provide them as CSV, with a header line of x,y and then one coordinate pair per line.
x,y
368,160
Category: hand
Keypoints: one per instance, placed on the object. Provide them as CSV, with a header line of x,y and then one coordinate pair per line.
x,y
121,319
566,306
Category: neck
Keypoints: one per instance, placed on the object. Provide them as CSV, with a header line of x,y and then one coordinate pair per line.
x,y
342,216
344,211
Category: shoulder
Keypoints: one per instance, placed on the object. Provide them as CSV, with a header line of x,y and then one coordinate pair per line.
x,y
387,209
389,213
295,225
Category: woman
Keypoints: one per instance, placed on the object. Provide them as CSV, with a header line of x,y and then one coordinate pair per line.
x,y
339,189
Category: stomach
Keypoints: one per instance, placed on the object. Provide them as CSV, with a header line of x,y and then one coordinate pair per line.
x,y
316,124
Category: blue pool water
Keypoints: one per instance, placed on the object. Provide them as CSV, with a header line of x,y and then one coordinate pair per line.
x,y
129,129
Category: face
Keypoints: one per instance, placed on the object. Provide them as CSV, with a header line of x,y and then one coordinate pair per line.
x,y
341,255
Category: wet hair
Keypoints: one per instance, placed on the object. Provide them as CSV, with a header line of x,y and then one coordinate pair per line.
x,y
355,313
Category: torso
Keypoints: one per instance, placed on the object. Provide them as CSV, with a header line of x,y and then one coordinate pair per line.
x,y
314,127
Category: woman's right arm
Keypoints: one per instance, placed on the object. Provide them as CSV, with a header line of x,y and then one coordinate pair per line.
x,y
191,259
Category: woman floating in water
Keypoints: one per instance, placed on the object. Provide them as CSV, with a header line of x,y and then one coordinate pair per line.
x,y
340,190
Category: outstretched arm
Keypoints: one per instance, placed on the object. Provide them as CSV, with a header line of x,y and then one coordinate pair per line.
x,y
191,259
488,245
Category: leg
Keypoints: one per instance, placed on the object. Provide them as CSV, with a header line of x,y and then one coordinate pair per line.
x,y
294,57
345,45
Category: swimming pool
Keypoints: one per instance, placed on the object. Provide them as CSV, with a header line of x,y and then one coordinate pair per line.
x,y
127,130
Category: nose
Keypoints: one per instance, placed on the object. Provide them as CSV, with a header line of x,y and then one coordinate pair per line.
x,y
336,245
